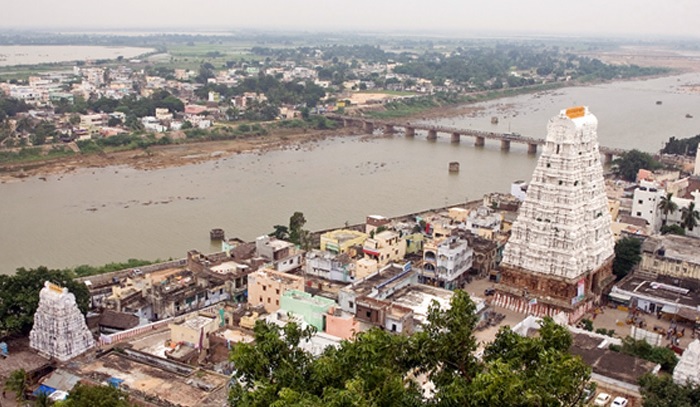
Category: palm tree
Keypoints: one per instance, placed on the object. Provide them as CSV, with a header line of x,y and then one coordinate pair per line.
x,y
689,216
17,383
666,205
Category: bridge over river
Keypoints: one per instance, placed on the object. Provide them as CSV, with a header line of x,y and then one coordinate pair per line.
x,y
456,134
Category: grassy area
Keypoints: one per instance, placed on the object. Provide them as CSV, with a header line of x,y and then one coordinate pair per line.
x,y
86,270
32,154
415,106
388,92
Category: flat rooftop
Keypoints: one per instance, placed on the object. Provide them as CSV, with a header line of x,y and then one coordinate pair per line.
x,y
681,248
366,285
343,235
419,297
226,267
611,364
236,336
174,388
197,322
680,292
158,276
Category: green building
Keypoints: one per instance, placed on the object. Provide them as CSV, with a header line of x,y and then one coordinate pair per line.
x,y
311,308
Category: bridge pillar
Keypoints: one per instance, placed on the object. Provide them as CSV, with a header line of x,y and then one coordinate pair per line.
x,y
388,129
455,137
532,148
368,127
607,158
410,131
505,145
479,141
432,134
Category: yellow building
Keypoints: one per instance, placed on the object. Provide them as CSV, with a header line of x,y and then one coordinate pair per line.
x,y
194,331
340,241
672,256
385,247
265,287
458,214
364,267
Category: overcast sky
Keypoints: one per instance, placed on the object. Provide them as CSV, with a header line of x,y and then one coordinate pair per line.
x,y
675,18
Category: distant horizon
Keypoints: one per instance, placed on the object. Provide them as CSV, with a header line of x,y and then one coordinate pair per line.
x,y
592,18
398,33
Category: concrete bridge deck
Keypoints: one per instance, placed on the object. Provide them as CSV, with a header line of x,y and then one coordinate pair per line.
x,y
480,136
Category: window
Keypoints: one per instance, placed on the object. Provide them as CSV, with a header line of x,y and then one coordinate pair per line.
x,y
369,314
641,201
277,302
393,327
269,300
639,214
261,300
277,291
351,304
264,288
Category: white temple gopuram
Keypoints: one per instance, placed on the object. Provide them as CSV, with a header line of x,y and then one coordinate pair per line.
x,y
59,328
688,368
559,256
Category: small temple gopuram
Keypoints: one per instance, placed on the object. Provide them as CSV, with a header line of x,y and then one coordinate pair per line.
x,y
59,328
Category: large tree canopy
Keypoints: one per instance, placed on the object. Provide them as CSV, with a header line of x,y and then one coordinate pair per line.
x,y
19,296
628,252
632,161
96,396
379,368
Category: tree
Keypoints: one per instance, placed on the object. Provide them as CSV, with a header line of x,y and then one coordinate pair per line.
x,y
673,230
114,121
689,216
19,296
74,119
628,252
524,371
642,349
296,223
17,383
666,205
380,368
661,391
281,232
96,396
632,161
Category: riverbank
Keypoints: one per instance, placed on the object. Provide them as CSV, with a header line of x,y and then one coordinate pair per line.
x,y
172,155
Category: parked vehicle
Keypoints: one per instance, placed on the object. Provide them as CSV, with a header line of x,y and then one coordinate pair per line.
x,y
620,402
602,400
489,291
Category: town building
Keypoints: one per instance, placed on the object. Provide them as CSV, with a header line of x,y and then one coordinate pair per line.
x,y
342,240
312,309
446,262
329,266
266,287
484,222
385,247
374,222
559,256
670,255
283,255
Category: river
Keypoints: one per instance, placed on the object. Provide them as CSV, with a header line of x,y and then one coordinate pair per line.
x,y
111,214
11,55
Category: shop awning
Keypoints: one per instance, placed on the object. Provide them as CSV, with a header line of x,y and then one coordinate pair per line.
x,y
689,314
620,297
669,309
